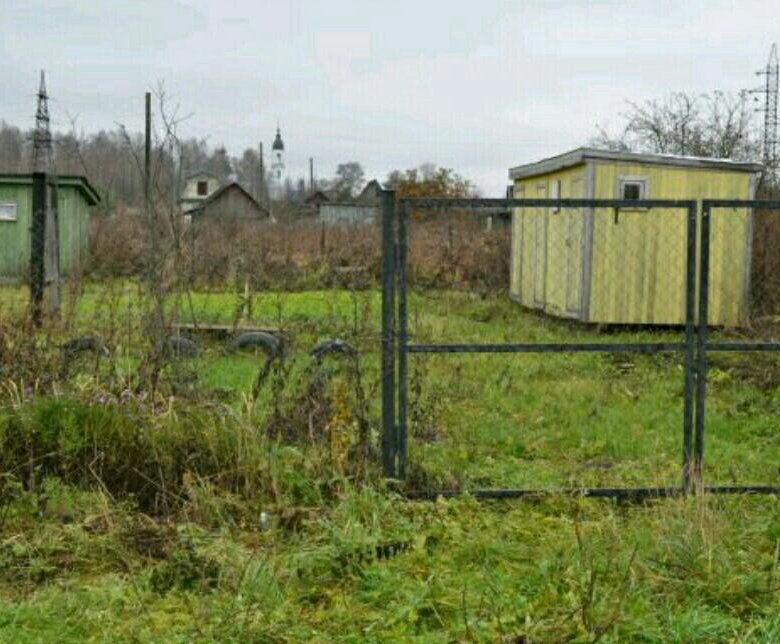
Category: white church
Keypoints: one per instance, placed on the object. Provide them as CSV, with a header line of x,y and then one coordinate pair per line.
x,y
278,173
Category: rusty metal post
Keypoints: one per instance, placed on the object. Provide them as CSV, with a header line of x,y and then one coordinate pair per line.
x,y
690,345
389,438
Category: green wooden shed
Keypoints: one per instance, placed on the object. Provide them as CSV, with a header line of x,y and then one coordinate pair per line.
x,y
75,196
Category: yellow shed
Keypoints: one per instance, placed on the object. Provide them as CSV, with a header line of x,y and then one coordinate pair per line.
x,y
628,266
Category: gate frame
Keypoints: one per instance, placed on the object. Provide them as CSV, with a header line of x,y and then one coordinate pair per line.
x,y
395,239
704,345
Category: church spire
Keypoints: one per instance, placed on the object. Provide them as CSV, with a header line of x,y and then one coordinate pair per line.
x,y
278,170
278,143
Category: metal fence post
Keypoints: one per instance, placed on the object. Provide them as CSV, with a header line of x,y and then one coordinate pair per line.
x,y
701,356
690,345
403,337
388,334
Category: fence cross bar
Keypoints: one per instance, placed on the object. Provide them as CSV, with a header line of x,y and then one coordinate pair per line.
x,y
429,203
694,347
550,347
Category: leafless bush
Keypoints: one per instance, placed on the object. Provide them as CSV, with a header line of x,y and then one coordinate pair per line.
x,y
445,251
116,244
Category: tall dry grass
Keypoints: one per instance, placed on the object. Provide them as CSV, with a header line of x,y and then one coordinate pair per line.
x,y
448,250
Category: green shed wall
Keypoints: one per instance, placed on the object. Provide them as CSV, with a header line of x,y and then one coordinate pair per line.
x,y
15,235
74,222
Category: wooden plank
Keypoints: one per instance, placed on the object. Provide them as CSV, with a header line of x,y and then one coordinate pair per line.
x,y
220,329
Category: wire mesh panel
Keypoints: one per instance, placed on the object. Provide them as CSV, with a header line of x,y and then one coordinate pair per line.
x,y
606,266
602,307
739,337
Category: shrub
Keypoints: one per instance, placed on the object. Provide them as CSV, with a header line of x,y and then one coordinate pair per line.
x,y
446,250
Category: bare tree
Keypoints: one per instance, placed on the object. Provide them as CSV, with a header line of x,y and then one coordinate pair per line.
x,y
708,125
349,179
11,148
165,268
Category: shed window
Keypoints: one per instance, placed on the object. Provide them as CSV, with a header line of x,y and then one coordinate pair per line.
x,y
203,188
7,211
633,189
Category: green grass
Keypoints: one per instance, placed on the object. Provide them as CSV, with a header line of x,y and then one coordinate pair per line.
x,y
76,566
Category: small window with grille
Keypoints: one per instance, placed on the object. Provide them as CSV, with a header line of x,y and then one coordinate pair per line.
x,y
631,189
203,188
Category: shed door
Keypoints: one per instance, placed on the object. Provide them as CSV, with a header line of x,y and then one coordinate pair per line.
x,y
574,225
540,217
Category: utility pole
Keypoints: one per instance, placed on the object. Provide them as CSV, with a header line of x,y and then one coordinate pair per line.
x,y
311,174
263,190
769,89
152,254
148,156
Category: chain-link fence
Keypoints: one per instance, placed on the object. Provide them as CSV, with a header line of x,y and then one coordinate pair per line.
x,y
599,396
632,319
619,323
738,340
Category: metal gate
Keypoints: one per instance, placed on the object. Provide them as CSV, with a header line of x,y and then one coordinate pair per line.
x,y
398,346
710,209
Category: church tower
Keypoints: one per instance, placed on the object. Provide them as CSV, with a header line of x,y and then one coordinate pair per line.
x,y
278,174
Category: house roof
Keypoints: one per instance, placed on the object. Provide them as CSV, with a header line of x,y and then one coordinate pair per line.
x,y
370,192
89,193
202,203
580,155
317,195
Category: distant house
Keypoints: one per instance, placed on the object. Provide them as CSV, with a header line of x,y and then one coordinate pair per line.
x,y
371,194
364,209
229,203
204,197
198,187
497,217
317,198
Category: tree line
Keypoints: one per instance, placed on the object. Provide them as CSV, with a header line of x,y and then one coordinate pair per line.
x,y
717,124
111,161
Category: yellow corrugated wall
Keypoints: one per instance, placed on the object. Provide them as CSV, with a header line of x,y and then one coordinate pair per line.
x,y
638,263
637,260
546,246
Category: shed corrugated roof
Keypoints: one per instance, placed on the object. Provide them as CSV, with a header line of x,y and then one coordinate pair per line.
x,y
85,187
580,155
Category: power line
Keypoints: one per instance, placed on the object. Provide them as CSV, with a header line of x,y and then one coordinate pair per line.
x,y
771,74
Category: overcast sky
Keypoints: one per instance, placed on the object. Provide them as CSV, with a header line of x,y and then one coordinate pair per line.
x,y
478,86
